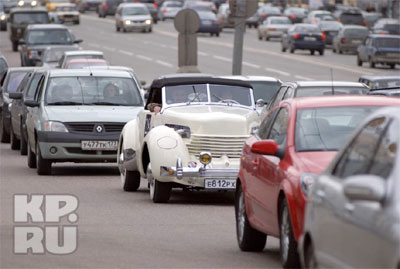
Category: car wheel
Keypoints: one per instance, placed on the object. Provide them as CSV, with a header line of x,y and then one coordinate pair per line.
x,y
340,51
333,49
283,49
31,157
14,142
321,52
124,29
76,22
211,34
5,138
359,62
23,146
43,166
312,52
310,261
267,38
130,180
117,28
150,30
248,238
371,63
259,37
392,66
291,50
217,34
159,191
288,245
15,46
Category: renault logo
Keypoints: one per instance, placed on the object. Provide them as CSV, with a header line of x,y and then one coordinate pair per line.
x,y
99,129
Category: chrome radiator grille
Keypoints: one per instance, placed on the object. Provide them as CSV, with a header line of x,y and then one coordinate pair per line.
x,y
230,146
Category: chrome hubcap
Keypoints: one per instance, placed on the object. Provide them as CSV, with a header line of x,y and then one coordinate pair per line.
x,y
285,229
241,217
123,177
151,180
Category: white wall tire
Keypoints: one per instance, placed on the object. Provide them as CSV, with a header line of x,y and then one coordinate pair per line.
x,y
159,191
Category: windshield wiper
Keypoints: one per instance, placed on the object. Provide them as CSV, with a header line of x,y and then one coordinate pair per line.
x,y
64,103
196,96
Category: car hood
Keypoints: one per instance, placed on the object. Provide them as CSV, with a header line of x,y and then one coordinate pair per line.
x,y
212,119
316,161
137,17
92,113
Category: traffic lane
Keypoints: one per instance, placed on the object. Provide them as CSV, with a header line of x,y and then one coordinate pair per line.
x,y
121,229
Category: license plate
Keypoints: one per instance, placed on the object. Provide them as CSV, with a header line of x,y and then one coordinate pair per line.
x,y
220,183
307,38
356,41
99,145
206,22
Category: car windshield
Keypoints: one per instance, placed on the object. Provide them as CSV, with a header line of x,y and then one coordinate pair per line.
x,y
280,21
358,32
135,11
327,129
88,56
47,36
296,11
330,26
77,90
221,94
388,42
173,4
13,80
271,10
327,90
321,15
201,7
54,55
264,89
385,83
29,18
307,29
69,8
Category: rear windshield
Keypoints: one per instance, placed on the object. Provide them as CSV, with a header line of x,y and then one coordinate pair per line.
x,y
393,29
280,21
30,18
55,54
384,83
327,90
330,26
93,91
69,8
173,4
13,80
307,29
47,36
264,90
135,11
356,32
388,42
348,18
207,15
271,10
327,129
84,57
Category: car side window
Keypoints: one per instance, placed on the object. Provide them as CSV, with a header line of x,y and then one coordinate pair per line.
x,y
39,89
288,93
278,97
359,155
265,125
385,157
30,93
278,130
23,83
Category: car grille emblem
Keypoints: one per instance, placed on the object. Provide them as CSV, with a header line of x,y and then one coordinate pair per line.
x,y
99,129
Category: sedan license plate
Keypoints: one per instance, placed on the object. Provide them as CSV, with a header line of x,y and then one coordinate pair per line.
x,y
220,183
309,38
99,145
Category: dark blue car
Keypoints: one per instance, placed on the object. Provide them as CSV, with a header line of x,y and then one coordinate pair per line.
x,y
304,36
379,49
208,23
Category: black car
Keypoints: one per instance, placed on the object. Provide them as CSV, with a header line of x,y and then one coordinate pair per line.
x,y
20,18
304,36
330,29
86,5
379,49
108,8
3,66
39,37
380,82
9,84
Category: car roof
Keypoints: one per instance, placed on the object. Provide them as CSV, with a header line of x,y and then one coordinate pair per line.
x,y
354,27
378,77
383,36
83,52
88,72
46,26
343,101
132,5
321,83
27,9
253,78
25,68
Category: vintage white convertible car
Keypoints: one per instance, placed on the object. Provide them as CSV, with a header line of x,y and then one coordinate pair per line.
x,y
190,135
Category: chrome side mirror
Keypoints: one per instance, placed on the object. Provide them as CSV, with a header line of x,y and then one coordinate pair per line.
x,y
260,103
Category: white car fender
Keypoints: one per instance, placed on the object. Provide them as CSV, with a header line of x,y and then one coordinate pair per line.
x,y
130,140
165,146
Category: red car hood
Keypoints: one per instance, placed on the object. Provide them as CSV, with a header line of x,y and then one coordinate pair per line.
x,y
316,161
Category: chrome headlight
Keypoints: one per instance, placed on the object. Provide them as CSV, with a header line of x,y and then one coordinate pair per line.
x,y
2,17
21,3
55,126
147,21
205,158
183,131
33,3
127,21
306,182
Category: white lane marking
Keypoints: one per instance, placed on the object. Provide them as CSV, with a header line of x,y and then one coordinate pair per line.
x,y
144,57
225,59
108,48
173,47
277,71
202,53
162,45
302,77
146,42
94,45
126,52
164,63
251,65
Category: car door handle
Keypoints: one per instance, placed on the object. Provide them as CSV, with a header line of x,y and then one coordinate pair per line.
x,y
320,194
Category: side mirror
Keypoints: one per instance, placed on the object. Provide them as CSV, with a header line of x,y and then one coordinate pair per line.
x,y
21,41
31,103
15,95
77,41
364,188
142,82
260,103
265,147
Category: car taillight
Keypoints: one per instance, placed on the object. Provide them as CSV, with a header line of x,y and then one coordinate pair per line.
x,y
314,20
281,15
292,16
264,15
105,6
271,29
165,11
342,40
296,36
155,4
323,37
339,20
218,22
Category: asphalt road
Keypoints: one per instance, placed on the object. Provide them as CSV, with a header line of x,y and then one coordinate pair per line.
x,y
119,229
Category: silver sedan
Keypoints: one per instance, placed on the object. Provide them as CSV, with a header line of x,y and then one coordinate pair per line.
x,y
273,27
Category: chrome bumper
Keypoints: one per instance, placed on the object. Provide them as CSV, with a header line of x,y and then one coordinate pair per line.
x,y
199,172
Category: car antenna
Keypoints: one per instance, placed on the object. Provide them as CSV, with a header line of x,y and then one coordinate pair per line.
x,y
333,90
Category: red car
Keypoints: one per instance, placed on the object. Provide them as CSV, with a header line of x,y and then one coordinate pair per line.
x,y
85,63
296,141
